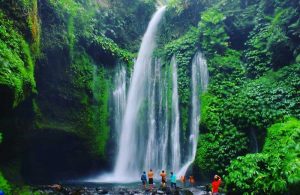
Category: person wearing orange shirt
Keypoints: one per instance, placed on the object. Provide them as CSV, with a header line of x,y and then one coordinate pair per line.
x,y
182,179
192,180
163,178
150,177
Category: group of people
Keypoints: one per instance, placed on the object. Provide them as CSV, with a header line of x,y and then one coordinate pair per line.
x,y
191,180
163,175
215,184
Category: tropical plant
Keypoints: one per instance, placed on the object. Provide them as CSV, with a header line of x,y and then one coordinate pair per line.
x,y
275,170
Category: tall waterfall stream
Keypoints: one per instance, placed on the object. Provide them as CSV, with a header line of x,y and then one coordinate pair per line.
x,y
147,114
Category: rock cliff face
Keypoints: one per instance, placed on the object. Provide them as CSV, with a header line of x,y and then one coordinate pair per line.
x,y
55,92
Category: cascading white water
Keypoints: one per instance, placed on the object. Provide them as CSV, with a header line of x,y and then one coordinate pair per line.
x,y
149,130
199,84
119,99
151,159
163,118
175,134
128,164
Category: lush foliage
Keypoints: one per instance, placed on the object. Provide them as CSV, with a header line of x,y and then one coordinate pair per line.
x,y
111,47
72,47
271,43
215,150
213,35
266,100
253,54
4,185
183,49
276,169
17,68
249,104
101,115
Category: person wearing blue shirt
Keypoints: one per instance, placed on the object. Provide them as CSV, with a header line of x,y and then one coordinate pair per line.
x,y
173,180
144,179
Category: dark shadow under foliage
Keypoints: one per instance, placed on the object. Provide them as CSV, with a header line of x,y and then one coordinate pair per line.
x,y
52,155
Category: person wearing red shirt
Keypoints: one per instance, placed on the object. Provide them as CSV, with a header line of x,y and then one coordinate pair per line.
x,y
215,185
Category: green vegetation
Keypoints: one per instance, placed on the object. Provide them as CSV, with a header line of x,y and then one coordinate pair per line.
x,y
57,58
109,46
4,185
17,67
184,49
266,100
240,47
215,150
72,47
276,169
213,36
101,94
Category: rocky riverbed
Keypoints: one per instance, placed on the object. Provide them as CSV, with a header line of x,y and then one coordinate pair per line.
x,y
114,190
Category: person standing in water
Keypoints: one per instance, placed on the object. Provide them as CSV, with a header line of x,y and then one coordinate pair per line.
x,y
163,178
215,185
150,177
192,180
144,179
173,180
182,179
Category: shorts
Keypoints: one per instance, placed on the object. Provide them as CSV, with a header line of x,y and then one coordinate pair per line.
x,y
144,182
163,181
150,180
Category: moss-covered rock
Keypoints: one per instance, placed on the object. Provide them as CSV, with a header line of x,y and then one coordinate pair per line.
x,y
17,66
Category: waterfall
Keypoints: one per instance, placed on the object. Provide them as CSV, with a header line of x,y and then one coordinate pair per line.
x,y
175,134
147,120
199,85
163,118
130,155
152,152
119,100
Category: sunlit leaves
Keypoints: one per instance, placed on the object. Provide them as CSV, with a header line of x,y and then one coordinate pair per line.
x,y
111,47
212,32
17,68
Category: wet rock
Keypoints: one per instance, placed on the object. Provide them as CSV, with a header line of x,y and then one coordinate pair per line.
x,y
102,191
114,190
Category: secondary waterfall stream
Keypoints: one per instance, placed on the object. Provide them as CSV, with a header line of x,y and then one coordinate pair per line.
x,y
175,140
119,100
147,116
199,85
